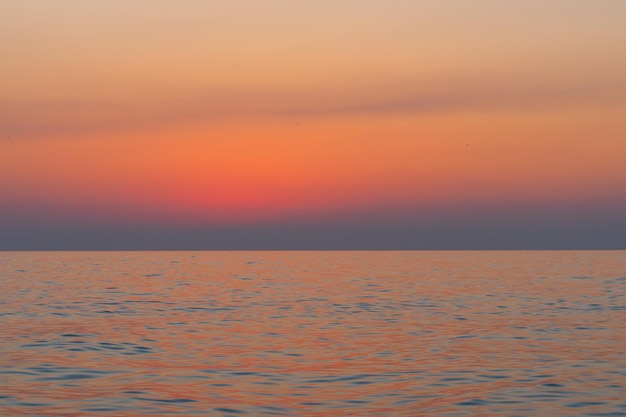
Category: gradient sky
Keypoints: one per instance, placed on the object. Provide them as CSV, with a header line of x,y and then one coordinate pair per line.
x,y
275,124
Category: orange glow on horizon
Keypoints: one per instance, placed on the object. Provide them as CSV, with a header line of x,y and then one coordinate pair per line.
x,y
248,115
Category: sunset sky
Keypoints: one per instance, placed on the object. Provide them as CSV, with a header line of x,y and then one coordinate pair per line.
x,y
275,124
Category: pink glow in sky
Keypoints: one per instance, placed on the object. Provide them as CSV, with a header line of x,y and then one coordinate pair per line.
x,y
432,116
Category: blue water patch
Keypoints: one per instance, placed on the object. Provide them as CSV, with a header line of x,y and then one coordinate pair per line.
x,y
229,410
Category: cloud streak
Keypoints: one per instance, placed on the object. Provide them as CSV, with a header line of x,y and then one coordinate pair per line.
x,y
41,118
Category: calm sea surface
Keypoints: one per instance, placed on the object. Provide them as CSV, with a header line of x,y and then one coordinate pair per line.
x,y
313,333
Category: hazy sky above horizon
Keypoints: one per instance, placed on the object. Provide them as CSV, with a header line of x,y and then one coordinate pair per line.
x,y
275,124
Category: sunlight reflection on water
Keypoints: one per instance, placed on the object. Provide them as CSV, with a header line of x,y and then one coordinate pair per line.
x,y
313,333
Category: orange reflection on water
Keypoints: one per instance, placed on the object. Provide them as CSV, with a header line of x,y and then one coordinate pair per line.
x,y
313,333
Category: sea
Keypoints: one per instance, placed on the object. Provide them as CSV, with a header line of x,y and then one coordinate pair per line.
x,y
313,333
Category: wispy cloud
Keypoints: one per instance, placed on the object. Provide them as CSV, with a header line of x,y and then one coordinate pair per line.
x,y
77,116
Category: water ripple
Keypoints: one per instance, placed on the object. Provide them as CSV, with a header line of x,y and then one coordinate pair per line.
x,y
496,334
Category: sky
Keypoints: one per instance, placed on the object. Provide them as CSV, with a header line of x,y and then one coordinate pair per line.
x,y
353,124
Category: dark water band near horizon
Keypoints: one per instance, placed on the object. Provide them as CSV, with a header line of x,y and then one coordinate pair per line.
x,y
407,333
